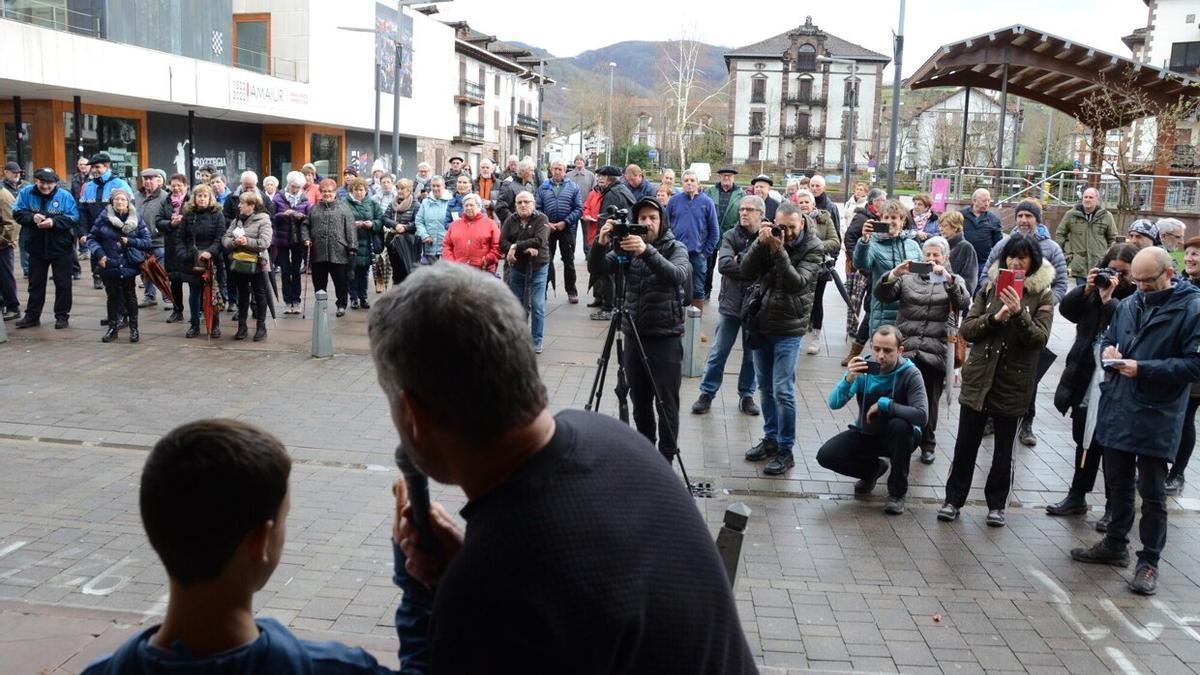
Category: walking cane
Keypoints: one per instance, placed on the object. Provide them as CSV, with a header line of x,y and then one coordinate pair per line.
x,y
304,294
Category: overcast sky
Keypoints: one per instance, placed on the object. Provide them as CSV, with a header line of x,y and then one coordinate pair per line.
x,y
569,27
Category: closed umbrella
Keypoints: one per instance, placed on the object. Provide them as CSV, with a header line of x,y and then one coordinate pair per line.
x,y
152,271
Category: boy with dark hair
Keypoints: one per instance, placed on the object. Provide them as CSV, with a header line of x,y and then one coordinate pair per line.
x,y
214,501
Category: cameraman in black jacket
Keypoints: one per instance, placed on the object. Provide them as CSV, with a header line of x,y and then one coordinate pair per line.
x,y
657,277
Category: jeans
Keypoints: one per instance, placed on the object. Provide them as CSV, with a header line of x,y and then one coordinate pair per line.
x,y
966,450
718,354
1187,442
289,258
708,272
564,241
39,268
665,358
195,302
9,300
775,368
231,294
1150,472
151,289
855,454
358,280
321,273
121,293
530,289
23,242
250,287
699,264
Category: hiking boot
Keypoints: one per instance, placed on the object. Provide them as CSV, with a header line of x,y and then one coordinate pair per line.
x,y
894,506
1026,434
702,404
61,323
927,456
109,335
363,304
27,322
855,350
766,449
1071,505
176,316
1100,554
1145,579
780,464
260,331
1174,485
192,331
995,518
1102,524
947,513
215,333
134,334
864,486
242,331
814,342
749,407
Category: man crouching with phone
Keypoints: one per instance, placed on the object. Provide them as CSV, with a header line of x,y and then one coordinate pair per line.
x,y
892,409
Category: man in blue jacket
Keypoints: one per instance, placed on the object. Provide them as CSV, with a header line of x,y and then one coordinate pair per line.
x,y
95,197
980,226
49,217
214,499
892,408
1151,353
693,217
561,202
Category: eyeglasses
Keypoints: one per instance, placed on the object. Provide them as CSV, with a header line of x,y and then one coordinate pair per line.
x,y
747,209
1149,280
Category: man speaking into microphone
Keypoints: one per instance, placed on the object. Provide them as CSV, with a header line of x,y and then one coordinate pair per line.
x,y
583,552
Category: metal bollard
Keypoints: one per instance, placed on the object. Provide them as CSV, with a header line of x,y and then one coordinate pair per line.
x,y
322,341
693,352
729,539
3,333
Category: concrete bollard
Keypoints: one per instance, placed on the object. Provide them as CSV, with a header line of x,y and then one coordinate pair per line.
x,y
693,350
3,333
729,539
322,341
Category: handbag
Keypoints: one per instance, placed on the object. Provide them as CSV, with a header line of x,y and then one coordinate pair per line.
x,y
953,338
243,262
751,313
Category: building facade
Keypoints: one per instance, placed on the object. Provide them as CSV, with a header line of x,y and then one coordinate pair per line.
x,y
791,108
1172,41
932,136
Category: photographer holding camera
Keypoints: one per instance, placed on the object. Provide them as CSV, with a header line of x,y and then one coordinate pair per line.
x,y
786,259
657,274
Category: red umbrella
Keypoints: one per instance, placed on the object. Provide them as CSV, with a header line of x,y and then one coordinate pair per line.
x,y
152,270
212,302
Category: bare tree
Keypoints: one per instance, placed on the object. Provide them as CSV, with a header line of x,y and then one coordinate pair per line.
x,y
684,88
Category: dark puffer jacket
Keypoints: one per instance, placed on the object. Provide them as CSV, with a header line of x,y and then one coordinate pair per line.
x,y
657,284
330,228
533,233
198,232
734,245
965,261
1001,369
788,279
285,229
104,242
1090,316
855,228
924,312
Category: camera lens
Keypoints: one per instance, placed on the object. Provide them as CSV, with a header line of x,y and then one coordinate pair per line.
x,y
1103,280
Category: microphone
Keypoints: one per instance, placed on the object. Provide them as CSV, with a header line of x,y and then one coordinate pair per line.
x,y
418,496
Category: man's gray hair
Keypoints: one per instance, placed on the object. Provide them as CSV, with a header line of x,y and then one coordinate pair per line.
x,y
437,179
671,173
686,173
424,165
805,193
558,162
1090,189
1170,226
754,201
876,193
981,192
251,175
485,162
942,244
525,165
527,193
817,179
786,209
489,382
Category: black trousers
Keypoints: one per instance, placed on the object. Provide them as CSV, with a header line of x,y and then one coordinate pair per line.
x,y
966,449
121,293
323,271
855,454
935,384
564,241
39,269
665,358
9,300
1045,360
250,287
1187,442
818,308
1086,466
708,274
1149,473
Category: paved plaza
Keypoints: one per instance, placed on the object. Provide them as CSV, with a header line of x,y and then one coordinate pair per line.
x,y
827,582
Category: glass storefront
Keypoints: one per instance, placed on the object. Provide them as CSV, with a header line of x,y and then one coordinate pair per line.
x,y
327,155
10,146
118,136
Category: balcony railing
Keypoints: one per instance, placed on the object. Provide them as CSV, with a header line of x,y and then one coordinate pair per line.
x,y
471,92
470,131
527,121
806,99
1185,155
803,132
53,16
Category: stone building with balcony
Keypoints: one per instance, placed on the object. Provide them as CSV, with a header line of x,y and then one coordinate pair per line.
x,y
789,108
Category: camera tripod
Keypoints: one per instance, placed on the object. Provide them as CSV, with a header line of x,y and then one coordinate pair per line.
x,y
615,336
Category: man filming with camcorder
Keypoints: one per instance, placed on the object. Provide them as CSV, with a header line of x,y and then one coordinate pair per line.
x,y
651,272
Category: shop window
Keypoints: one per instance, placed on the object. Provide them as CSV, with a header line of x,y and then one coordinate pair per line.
x,y
10,146
252,42
118,136
326,155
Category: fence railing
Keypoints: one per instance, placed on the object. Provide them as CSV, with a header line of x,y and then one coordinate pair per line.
x,y
469,130
528,121
1008,186
471,90
53,16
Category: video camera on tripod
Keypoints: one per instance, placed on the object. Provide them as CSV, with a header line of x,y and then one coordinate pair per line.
x,y
621,225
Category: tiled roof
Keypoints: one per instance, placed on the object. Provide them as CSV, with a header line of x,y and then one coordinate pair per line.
x,y
774,46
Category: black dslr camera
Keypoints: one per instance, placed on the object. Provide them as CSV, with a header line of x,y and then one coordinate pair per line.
x,y
621,226
1105,277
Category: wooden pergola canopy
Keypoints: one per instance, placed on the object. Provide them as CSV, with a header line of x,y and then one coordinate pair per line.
x,y
1048,69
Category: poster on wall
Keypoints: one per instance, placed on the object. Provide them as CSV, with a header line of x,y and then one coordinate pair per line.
x,y
385,49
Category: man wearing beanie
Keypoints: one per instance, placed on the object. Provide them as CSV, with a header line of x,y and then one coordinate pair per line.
x,y
1143,234
1029,224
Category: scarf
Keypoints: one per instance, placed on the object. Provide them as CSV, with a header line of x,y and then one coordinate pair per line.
x,y
403,206
128,226
921,220
293,199
177,202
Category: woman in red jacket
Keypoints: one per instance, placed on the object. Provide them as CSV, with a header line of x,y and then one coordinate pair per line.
x,y
473,238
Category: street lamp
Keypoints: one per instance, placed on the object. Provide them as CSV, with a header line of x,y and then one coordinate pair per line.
x,y
848,159
612,67
898,55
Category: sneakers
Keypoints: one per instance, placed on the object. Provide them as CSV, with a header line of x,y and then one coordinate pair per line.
x,y
12,314
894,506
995,518
573,298
927,457
864,486
176,317
1026,434
702,404
363,304
354,303
61,322
766,449
780,464
1099,554
1145,579
749,407
341,311
148,302
109,335
814,345
1071,505
1174,485
600,315
192,331
215,333
27,322
537,348
947,513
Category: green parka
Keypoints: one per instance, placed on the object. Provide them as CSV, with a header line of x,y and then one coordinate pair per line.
x,y
1085,238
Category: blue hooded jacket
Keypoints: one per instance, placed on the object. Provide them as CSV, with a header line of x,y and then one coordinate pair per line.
x,y
899,393
95,196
